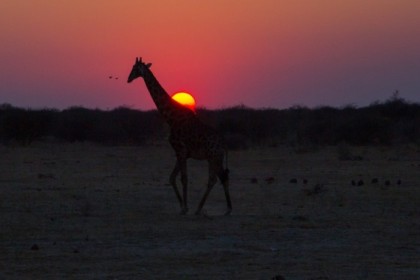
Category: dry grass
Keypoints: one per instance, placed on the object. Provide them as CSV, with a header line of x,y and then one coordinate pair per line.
x,y
88,212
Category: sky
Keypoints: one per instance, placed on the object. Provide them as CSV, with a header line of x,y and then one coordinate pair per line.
x,y
261,54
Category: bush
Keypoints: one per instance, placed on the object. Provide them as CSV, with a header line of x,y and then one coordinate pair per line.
x,y
393,121
24,126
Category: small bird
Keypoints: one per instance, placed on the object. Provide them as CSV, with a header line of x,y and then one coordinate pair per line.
x,y
293,181
374,181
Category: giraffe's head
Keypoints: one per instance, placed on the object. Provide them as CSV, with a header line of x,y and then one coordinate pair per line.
x,y
138,70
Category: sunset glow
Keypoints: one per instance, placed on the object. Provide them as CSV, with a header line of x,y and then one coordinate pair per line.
x,y
266,53
185,99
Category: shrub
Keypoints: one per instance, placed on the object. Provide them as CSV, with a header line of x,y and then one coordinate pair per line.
x,y
390,122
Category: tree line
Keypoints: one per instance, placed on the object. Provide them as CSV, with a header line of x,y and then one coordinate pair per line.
x,y
394,121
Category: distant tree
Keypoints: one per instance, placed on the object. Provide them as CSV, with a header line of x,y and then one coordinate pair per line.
x,y
393,121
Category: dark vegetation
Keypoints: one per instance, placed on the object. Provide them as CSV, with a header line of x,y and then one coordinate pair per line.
x,y
394,121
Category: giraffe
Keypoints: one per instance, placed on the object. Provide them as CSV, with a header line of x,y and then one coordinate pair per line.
x,y
189,137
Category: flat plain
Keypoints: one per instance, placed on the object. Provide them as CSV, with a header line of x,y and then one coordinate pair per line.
x,y
80,211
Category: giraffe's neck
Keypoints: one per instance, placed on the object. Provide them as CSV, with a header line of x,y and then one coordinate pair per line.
x,y
160,97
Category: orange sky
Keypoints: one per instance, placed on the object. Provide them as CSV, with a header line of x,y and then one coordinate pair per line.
x,y
267,53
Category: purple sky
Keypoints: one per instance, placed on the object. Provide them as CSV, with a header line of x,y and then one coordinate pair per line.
x,y
266,53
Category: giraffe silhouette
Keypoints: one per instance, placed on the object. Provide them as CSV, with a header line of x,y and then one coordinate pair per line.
x,y
189,137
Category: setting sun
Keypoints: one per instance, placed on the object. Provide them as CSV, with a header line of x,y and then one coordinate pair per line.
x,y
185,99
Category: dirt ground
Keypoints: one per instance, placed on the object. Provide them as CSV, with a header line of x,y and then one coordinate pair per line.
x,y
79,211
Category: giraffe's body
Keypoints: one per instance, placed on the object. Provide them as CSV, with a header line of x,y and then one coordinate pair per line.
x,y
189,137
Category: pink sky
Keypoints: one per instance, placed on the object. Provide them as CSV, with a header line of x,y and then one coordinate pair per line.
x,y
267,53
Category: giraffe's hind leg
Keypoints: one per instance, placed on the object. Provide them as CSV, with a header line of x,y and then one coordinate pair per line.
x,y
211,183
224,178
172,180
184,181
213,167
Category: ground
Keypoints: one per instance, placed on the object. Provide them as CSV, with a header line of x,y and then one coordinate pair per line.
x,y
80,211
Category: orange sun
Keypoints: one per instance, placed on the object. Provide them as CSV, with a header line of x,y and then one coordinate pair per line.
x,y
185,99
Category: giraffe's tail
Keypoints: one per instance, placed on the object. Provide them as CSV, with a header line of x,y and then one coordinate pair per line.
x,y
224,177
